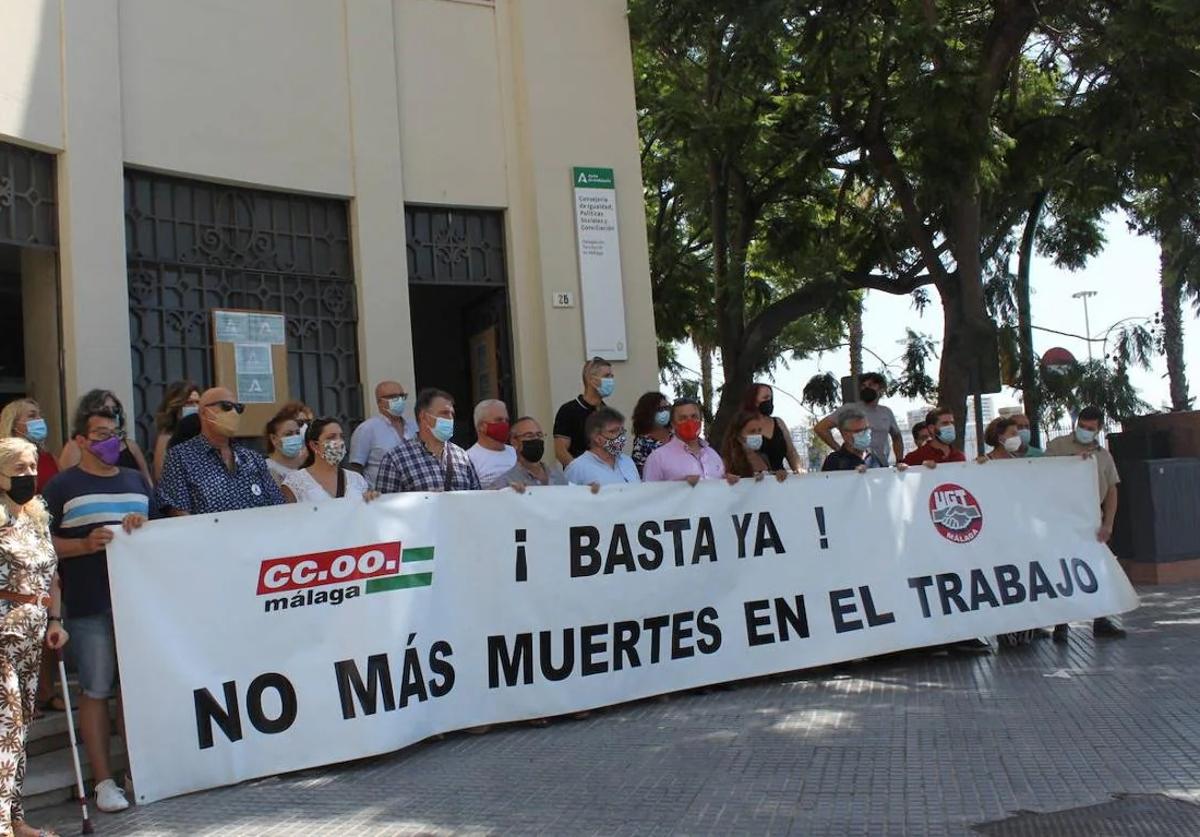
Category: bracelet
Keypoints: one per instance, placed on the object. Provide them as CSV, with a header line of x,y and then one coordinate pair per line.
x,y
54,619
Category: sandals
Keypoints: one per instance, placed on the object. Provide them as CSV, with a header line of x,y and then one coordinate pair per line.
x,y
52,704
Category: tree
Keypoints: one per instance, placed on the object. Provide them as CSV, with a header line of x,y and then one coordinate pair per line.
x,y
757,240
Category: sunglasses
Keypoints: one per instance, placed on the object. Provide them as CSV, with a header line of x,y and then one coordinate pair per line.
x,y
226,406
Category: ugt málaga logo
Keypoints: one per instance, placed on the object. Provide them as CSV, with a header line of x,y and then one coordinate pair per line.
x,y
956,513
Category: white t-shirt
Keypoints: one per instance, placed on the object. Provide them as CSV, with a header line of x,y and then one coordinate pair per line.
x,y
371,441
308,490
278,470
492,465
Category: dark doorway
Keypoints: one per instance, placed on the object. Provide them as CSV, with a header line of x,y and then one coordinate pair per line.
x,y
12,327
458,297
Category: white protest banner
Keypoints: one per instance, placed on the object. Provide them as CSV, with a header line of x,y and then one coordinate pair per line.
x,y
259,642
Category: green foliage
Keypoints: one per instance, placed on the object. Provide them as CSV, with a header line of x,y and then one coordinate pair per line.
x,y
822,392
915,381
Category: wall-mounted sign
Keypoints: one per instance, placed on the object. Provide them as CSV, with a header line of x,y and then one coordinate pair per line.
x,y
601,286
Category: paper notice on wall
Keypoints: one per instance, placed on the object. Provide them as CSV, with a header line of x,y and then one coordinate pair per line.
x,y
602,290
255,373
266,328
231,327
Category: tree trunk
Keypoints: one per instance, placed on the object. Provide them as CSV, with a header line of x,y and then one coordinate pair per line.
x,y
1029,388
706,382
856,342
1172,313
965,316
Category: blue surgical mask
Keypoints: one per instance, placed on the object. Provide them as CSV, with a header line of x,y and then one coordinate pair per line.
x,y
35,430
443,429
1025,434
395,406
662,418
188,410
947,435
1085,436
607,385
862,439
291,446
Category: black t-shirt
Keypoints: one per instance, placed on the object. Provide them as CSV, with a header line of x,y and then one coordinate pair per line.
x,y
78,503
774,448
843,460
569,421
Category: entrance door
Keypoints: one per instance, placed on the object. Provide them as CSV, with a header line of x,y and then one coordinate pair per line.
x,y
459,301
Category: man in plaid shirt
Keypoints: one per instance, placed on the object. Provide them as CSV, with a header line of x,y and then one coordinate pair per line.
x,y
430,462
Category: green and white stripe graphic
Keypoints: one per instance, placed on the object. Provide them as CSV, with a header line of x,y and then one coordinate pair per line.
x,y
419,575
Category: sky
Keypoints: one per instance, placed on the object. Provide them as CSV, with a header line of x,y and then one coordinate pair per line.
x,y
1124,277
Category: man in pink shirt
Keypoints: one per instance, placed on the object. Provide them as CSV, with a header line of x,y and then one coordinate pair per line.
x,y
686,456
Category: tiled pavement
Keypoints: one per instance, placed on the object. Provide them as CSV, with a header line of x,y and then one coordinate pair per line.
x,y
914,744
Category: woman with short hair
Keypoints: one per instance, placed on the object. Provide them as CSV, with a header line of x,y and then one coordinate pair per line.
x,y
284,438
131,455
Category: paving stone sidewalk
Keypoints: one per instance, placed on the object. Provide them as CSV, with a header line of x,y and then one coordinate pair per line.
x,y
914,744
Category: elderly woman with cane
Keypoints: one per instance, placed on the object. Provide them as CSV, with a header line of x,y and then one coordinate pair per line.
x,y
30,612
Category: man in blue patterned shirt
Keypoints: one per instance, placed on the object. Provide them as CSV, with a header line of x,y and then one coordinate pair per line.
x,y
211,472
430,462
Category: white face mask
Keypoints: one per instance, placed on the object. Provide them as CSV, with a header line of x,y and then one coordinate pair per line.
x,y
1012,444
753,442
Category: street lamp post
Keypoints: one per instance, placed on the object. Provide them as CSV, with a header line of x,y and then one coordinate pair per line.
x,y
1087,325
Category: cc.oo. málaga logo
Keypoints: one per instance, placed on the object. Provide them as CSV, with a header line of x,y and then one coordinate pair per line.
x,y
337,575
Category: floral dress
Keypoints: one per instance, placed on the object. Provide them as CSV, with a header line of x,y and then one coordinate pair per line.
x,y
27,564
643,446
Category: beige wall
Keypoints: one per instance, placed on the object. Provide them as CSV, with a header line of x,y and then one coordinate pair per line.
x,y
30,72
381,101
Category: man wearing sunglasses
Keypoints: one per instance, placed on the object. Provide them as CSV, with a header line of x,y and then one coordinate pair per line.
x,y
212,472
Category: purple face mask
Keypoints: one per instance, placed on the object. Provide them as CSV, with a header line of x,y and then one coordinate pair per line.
x,y
108,451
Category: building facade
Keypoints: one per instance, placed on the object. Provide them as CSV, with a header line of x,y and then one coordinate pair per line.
x,y
394,177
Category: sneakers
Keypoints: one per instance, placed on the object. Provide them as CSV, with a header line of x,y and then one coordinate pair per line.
x,y
110,798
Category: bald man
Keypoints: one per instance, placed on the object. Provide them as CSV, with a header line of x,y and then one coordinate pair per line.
x,y
212,472
379,434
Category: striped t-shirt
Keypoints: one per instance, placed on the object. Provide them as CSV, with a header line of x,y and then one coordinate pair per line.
x,y
78,503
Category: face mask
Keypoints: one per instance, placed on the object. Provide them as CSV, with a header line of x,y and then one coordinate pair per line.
x,y
862,439
227,421
395,406
753,441
688,430
1012,444
532,450
947,435
35,431
867,395
497,431
767,407
188,410
292,445
607,385
443,429
1025,435
613,447
108,451
333,452
1085,436
662,418
21,489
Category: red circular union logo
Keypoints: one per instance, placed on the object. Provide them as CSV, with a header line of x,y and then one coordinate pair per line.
x,y
955,513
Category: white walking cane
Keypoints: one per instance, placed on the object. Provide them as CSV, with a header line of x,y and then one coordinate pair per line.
x,y
62,674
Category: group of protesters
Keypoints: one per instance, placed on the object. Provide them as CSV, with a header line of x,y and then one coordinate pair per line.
x,y
55,513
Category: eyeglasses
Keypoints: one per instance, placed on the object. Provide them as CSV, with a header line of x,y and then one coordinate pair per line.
x,y
226,406
525,437
389,396
101,436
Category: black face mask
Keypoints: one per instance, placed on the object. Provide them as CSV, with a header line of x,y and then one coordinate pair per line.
x,y
767,407
868,395
22,489
532,450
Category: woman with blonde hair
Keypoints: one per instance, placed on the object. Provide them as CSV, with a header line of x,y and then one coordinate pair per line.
x,y
23,419
30,613
180,400
131,454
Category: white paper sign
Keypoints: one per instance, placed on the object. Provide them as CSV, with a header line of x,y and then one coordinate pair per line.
x,y
265,641
601,286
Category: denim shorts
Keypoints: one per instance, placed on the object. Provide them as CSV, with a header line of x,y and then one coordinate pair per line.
x,y
94,647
